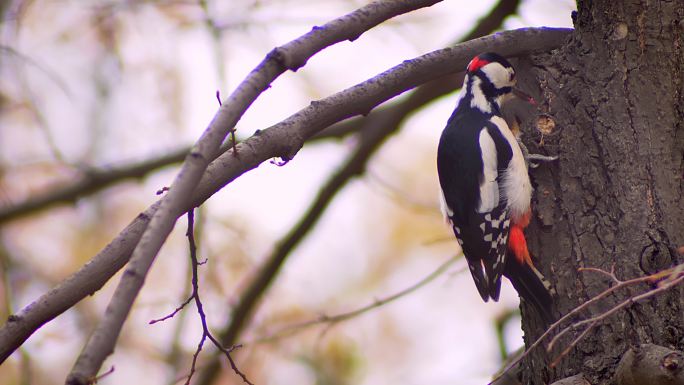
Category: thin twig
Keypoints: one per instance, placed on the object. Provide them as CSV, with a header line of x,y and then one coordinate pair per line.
x,y
345,316
572,344
592,321
174,355
566,317
200,308
610,274
103,375
233,140
173,313
620,284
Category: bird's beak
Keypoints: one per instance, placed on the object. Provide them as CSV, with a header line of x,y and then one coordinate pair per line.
x,y
523,96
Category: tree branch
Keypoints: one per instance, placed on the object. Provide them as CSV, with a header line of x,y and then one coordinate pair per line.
x,y
282,139
98,179
290,56
92,181
430,91
287,137
374,130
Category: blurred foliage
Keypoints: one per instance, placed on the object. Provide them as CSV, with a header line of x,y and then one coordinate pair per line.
x,y
337,362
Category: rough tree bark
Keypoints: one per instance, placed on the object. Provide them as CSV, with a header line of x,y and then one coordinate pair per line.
x,y
614,198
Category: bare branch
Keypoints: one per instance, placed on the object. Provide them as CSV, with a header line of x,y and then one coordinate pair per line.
x,y
666,283
174,312
174,355
593,321
375,130
290,56
429,91
277,141
90,278
97,179
200,309
619,284
287,137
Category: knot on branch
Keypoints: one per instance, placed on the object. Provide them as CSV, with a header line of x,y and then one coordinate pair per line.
x,y
278,56
286,59
651,364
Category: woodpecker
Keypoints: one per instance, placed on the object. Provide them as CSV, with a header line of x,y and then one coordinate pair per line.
x,y
485,185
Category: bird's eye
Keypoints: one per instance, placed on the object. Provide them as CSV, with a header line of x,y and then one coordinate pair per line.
x,y
512,77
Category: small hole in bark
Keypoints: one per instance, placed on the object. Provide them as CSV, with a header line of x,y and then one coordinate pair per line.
x,y
654,257
545,124
672,361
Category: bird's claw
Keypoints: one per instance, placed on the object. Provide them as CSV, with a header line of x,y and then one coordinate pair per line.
x,y
535,159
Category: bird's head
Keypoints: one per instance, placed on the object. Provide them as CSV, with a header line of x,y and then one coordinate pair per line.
x,y
492,77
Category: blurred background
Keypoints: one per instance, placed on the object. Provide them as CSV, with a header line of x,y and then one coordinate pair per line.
x,y
87,87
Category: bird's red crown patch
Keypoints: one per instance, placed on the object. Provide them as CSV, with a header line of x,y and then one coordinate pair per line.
x,y
476,64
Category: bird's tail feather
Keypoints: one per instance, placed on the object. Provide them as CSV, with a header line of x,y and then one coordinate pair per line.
x,y
479,278
531,286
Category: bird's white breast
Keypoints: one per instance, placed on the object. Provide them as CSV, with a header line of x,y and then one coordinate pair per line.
x,y
516,186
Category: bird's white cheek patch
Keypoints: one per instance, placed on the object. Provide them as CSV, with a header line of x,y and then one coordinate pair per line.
x,y
479,101
498,75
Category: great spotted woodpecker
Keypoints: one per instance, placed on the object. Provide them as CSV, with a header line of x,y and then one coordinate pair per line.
x,y
486,189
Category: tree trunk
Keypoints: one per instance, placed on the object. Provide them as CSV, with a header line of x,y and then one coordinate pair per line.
x,y
614,198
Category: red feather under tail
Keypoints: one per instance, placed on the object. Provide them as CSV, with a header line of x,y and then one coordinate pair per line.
x,y
527,280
